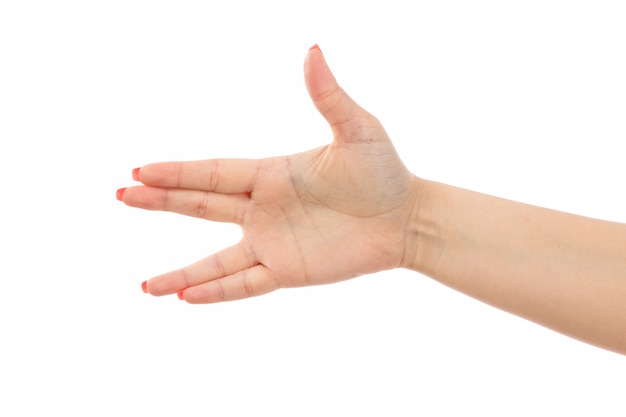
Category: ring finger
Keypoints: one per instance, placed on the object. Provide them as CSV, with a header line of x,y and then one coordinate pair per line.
x,y
221,264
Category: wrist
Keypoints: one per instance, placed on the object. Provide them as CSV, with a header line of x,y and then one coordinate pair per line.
x,y
421,247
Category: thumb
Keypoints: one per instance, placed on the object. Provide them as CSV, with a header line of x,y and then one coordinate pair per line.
x,y
329,98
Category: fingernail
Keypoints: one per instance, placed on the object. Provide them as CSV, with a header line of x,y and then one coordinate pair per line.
x,y
136,174
180,295
144,287
316,46
120,194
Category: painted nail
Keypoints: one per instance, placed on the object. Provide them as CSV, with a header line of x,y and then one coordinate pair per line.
x,y
144,287
136,174
120,194
180,295
316,46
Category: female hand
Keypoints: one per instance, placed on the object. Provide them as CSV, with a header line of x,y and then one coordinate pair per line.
x,y
351,208
317,217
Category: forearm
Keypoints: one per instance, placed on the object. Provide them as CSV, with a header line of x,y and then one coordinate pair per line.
x,y
560,270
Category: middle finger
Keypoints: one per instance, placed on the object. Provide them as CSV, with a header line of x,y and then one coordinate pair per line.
x,y
203,204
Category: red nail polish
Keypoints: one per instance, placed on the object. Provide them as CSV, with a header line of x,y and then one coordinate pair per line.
x,y
180,295
136,174
144,287
316,46
120,194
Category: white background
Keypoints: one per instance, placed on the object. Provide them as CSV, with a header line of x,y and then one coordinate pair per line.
x,y
525,100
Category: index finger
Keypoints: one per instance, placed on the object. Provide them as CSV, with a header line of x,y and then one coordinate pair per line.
x,y
217,175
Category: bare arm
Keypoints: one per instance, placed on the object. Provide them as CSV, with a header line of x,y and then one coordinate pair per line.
x,y
560,270
351,208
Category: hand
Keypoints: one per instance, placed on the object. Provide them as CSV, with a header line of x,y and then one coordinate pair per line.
x,y
317,217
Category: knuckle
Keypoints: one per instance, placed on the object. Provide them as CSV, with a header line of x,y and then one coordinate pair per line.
x,y
248,253
165,200
239,212
179,174
214,175
248,288
203,205
218,267
185,277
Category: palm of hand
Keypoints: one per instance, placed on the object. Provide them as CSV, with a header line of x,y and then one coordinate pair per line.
x,y
325,215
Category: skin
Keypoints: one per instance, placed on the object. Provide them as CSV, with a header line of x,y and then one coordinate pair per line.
x,y
352,208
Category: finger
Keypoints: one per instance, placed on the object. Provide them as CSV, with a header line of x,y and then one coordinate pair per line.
x,y
224,263
329,98
219,175
203,204
250,282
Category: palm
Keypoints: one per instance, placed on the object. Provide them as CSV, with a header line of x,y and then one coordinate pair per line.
x,y
310,223
311,218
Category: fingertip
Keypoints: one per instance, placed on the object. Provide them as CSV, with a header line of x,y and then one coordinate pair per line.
x,y
119,194
327,96
136,174
181,295
144,287
319,79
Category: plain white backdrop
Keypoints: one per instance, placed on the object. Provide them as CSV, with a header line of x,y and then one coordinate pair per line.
x,y
524,100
